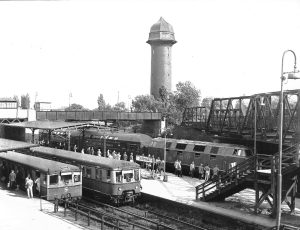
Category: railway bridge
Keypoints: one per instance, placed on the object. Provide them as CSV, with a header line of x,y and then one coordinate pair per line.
x,y
254,120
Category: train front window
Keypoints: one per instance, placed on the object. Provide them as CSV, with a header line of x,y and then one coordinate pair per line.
x,y
66,178
119,177
237,152
128,176
108,176
53,179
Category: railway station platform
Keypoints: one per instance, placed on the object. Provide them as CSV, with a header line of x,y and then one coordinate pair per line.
x,y
19,212
238,207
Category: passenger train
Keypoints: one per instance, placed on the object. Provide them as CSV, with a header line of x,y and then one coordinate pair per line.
x,y
118,180
210,153
57,180
223,155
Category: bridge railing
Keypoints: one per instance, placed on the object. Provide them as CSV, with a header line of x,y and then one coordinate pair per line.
x,y
95,115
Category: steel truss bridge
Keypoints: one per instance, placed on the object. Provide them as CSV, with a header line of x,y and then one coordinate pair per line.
x,y
236,116
245,118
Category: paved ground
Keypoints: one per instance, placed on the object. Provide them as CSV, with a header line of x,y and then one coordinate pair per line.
x,y
19,212
240,205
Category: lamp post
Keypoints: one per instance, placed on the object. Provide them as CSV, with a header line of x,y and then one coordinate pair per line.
x,y
291,75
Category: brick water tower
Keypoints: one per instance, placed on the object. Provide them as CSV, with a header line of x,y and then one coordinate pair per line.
x,y
161,39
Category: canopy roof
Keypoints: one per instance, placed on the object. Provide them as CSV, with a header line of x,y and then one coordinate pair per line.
x,y
85,159
50,125
6,145
43,165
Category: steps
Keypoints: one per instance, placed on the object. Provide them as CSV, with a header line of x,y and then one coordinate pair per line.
x,y
243,175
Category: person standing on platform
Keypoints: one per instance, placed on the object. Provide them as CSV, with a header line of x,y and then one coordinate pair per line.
x,y
29,185
179,169
131,157
192,169
75,148
88,151
158,162
176,167
201,171
125,156
92,151
207,172
18,179
38,185
12,179
82,150
99,153
216,173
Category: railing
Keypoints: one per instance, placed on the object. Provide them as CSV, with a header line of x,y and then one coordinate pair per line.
x,y
260,162
232,175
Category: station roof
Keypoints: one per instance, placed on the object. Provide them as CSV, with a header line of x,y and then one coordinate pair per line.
x,y
43,165
7,145
85,159
50,125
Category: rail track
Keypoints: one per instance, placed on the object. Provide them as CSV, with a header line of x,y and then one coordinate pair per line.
x,y
141,219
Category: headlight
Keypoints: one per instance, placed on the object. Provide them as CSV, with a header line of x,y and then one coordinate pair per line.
x,y
136,187
119,189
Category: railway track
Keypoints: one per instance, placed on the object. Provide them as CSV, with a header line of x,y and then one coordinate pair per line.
x,y
141,219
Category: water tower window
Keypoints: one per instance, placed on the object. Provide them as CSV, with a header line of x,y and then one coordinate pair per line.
x,y
199,148
214,150
181,146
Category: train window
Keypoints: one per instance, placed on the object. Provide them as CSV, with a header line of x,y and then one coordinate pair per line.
x,y
119,177
53,179
212,157
214,150
88,172
108,175
237,152
77,178
199,148
128,176
66,178
168,144
98,174
83,171
197,155
180,146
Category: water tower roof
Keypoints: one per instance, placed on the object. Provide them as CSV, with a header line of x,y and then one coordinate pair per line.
x,y
161,32
162,26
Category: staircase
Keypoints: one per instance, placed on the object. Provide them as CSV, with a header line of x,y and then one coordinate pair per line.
x,y
243,175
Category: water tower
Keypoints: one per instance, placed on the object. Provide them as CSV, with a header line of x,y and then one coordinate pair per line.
x,y
161,39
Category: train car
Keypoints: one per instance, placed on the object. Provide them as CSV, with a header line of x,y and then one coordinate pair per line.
x,y
118,180
57,180
135,143
222,155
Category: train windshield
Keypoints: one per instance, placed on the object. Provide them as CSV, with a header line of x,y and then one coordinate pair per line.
x,y
66,178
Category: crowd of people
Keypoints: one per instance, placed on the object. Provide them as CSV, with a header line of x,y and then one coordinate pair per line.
x,y
15,180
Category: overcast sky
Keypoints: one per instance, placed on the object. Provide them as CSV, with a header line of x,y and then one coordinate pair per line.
x,y
225,48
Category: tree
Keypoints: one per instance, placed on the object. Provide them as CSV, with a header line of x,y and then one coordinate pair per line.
x,y
25,101
74,107
186,95
146,103
206,102
17,100
119,106
101,102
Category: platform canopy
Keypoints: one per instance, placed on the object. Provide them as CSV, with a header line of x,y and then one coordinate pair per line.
x,y
51,125
7,145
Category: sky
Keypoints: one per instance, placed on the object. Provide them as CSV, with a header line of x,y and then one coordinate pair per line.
x,y
230,48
